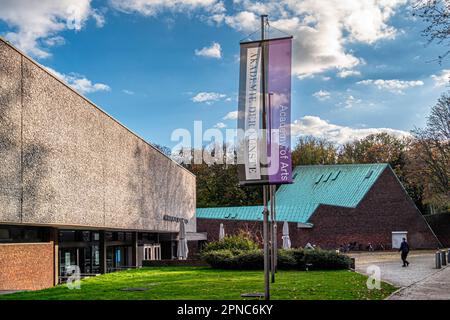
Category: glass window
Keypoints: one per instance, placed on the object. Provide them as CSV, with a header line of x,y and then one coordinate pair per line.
x,y
86,236
4,234
108,236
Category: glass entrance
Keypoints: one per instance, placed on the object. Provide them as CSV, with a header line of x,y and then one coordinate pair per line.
x,y
68,257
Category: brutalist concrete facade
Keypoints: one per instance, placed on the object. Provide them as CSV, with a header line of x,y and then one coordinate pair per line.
x,y
65,162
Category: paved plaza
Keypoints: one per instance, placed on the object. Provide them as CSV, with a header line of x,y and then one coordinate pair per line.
x,y
421,280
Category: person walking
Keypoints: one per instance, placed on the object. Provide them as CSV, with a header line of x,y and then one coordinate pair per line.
x,y
404,249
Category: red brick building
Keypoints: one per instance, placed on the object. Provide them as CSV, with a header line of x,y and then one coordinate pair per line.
x,y
332,205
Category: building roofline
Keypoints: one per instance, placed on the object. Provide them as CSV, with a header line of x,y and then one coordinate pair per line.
x,y
90,102
341,165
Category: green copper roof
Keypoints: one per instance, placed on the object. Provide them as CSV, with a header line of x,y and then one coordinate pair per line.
x,y
335,185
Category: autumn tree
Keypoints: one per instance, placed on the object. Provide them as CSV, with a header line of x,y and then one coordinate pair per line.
x,y
375,148
310,150
218,183
429,157
436,15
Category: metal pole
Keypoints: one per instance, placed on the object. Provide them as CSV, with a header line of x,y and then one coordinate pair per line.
x,y
266,245
272,236
265,187
275,229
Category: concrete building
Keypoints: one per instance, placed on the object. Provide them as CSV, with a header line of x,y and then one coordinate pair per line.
x,y
76,186
331,206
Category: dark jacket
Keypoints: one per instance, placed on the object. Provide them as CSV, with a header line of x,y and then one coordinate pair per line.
x,y
404,247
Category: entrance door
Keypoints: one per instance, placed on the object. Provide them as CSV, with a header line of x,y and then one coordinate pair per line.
x,y
397,238
68,257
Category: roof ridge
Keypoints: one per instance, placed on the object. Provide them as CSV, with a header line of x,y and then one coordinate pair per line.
x,y
344,164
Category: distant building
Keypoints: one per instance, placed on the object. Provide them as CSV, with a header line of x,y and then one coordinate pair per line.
x,y
332,206
77,188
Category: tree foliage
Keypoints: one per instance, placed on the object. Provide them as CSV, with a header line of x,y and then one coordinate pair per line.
x,y
436,15
311,150
429,156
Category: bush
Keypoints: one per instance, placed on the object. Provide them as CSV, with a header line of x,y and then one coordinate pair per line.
x,y
219,259
297,259
228,259
286,260
250,260
326,260
234,243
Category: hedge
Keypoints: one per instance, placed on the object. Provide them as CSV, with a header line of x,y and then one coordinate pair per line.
x,y
298,259
234,243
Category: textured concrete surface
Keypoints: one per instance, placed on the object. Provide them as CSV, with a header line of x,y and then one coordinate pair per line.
x,y
421,266
434,287
10,134
76,166
26,266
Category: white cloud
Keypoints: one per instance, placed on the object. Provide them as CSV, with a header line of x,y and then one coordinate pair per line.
x,y
214,51
348,73
79,83
154,7
321,95
315,126
243,21
37,23
393,85
442,79
129,92
208,97
350,101
321,31
220,125
232,115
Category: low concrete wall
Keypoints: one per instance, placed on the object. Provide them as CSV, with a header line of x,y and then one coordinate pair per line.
x,y
26,266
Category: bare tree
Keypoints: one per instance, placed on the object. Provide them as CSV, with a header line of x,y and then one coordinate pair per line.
x,y
436,14
429,159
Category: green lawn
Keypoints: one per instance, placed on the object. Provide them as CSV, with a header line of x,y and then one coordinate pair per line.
x,y
206,283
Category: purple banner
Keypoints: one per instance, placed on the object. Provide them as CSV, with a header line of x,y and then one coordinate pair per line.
x,y
264,115
279,91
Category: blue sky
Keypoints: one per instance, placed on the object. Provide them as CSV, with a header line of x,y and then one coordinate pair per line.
x,y
359,66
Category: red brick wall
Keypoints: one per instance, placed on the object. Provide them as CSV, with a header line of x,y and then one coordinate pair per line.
x,y
440,223
26,266
385,208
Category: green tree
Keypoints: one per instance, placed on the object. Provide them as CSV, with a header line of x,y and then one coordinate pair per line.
x,y
429,160
310,150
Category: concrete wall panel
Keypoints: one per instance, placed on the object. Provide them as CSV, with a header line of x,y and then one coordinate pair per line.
x,y
63,142
10,134
80,167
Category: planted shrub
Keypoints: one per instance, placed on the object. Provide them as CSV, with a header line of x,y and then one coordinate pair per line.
x,y
297,259
326,260
250,260
240,242
219,259
286,260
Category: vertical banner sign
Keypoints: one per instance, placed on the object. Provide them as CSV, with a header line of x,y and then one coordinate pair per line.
x,y
264,145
